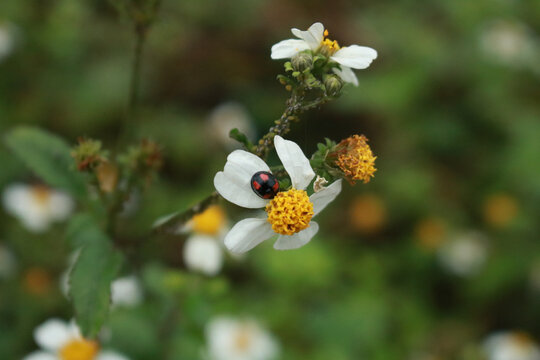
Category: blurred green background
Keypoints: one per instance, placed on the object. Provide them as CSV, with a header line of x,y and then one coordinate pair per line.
x,y
451,108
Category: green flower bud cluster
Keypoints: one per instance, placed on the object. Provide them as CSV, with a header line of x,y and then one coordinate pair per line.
x,y
312,72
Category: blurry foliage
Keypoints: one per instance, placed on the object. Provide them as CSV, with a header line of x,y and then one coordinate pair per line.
x,y
450,124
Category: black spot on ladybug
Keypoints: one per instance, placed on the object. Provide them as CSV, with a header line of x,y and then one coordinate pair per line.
x,y
264,184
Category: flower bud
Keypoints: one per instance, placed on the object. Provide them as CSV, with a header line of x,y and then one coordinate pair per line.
x,y
333,85
302,61
88,154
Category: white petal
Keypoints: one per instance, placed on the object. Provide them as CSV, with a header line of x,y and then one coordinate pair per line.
x,y
354,56
40,355
288,48
53,334
110,355
289,242
313,36
346,74
239,193
246,161
295,162
204,254
325,196
60,205
247,234
234,182
126,291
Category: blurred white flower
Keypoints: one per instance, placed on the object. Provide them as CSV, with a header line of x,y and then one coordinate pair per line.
x,y
204,254
534,276
465,254
509,42
226,117
203,251
234,339
60,340
7,40
126,291
511,345
8,263
316,39
37,206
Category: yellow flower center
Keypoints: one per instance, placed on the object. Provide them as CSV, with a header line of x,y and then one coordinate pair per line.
x,y
210,221
290,212
41,194
242,339
79,349
356,159
328,47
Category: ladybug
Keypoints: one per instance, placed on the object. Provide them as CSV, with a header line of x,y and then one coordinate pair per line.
x,y
264,184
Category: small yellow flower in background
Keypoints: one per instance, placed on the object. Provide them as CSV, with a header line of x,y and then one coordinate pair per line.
x,y
37,281
367,213
60,340
500,210
210,222
431,233
511,345
229,338
355,159
37,206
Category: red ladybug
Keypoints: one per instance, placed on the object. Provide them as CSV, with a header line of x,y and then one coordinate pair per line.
x,y
264,184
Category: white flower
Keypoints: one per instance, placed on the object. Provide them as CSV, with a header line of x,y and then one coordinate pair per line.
x,y
465,254
37,206
60,340
126,291
7,41
204,254
511,346
228,116
232,339
292,220
8,263
509,42
203,251
314,39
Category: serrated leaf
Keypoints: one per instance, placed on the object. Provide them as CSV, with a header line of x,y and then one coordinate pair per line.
x,y
90,280
47,155
82,230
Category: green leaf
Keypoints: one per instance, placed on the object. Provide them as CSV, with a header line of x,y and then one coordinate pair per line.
x,y
47,155
240,137
90,280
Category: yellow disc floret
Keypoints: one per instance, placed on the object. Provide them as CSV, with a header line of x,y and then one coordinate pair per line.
x,y
210,221
79,349
356,159
328,47
290,211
